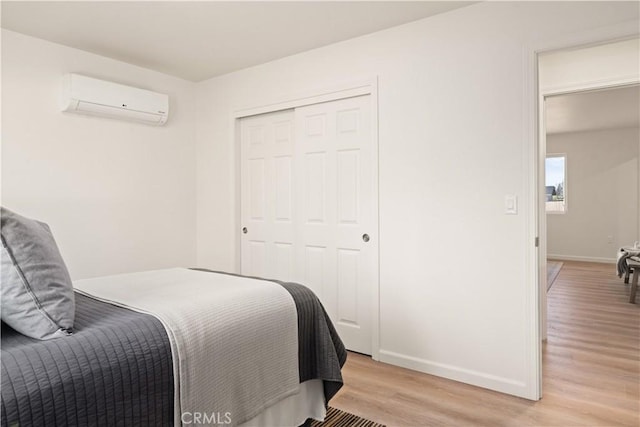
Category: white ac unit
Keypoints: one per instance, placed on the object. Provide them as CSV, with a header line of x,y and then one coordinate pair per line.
x,y
86,95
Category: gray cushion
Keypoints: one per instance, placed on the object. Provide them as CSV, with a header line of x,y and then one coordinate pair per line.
x,y
37,293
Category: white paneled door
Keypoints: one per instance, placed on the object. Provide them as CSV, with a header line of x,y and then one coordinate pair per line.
x,y
310,209
337,222
267,155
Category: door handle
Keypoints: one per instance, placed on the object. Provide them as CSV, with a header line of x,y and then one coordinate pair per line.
x,y
365,237
244,230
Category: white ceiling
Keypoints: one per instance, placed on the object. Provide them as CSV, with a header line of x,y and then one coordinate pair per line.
x,y
197,40
594,110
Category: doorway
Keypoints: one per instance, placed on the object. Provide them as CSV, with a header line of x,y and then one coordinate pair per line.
x,y
562,204
592,145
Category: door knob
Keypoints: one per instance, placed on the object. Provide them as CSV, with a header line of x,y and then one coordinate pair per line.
x,y
365,237
244,230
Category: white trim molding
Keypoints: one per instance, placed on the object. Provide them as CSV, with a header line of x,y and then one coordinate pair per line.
x,y
557,257
589,85
346,90
468,376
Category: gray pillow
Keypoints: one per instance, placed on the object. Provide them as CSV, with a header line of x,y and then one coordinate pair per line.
x,y
37,293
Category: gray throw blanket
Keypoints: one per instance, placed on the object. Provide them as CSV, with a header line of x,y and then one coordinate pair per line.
x,y
116,369
321,353
622,267
234,340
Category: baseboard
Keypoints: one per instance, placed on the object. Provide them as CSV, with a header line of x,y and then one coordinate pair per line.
x,y
480,379
581,258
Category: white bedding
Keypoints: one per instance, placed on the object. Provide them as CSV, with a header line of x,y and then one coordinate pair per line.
x,y
234,340
294,410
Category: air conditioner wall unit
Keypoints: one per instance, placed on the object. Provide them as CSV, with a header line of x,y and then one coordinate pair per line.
x,y
86,95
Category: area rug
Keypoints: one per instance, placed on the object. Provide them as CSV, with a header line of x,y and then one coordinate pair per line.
x,y
553,269
337,418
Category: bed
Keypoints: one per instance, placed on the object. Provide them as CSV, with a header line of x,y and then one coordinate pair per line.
x,y
121,365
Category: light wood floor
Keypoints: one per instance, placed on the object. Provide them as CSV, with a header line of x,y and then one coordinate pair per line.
x,y
590,364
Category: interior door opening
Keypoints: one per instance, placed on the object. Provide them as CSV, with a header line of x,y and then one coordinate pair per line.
x,y
573,113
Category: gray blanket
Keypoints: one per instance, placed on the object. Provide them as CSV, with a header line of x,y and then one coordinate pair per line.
x,y
117,368
321,352
622,263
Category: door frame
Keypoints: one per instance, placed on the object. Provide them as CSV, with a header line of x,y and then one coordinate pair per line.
x,y
535,149
543,95
360,87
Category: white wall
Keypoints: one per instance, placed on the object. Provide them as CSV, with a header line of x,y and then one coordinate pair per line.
x,y
602,194
453,294
119,196
563,70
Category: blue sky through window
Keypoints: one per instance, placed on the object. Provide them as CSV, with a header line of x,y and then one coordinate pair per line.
x,y
554,171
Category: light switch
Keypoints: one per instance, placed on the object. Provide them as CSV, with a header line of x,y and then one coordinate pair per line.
x,y
511,204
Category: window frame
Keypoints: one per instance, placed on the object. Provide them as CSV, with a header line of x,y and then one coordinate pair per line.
x,y
564,185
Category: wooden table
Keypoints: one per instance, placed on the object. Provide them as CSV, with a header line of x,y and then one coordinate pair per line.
x,y
634,283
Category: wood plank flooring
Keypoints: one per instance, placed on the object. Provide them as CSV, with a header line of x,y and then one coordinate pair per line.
x,y
590,369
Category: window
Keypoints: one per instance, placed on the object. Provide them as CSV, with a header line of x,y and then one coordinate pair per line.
x,y
555,183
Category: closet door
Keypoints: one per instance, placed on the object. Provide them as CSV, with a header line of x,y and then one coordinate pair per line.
x,y
309,207
267,199
336,255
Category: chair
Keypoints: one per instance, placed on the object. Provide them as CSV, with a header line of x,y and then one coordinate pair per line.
x,y
635,266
